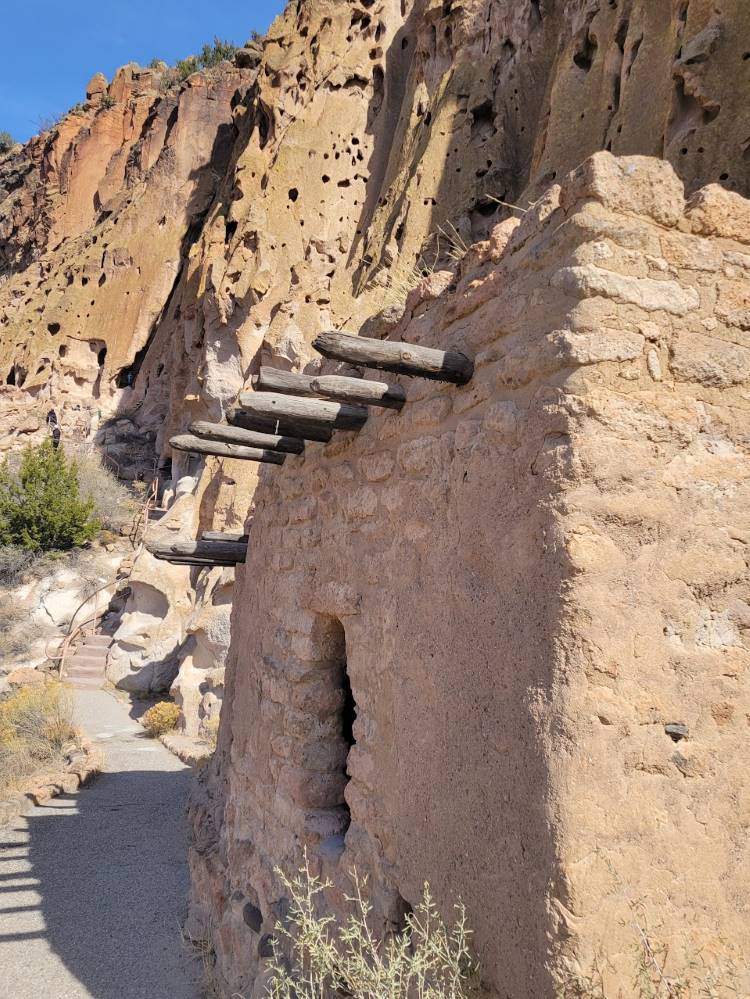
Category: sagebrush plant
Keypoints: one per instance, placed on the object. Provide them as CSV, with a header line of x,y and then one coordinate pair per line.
x,y
427,959
161,718
41,507
6,142
36,724
115,504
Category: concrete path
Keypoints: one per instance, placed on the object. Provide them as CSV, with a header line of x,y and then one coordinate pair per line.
x,y
93,886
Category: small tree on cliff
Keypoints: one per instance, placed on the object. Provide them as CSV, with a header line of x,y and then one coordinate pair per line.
x,y
41,508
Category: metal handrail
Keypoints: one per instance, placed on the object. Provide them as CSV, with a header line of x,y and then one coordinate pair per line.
x,y
73,634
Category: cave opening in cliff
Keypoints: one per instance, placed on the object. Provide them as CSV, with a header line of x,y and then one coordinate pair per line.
x,y
11,379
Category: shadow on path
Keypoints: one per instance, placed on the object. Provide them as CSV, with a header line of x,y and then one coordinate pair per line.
x,y
93,885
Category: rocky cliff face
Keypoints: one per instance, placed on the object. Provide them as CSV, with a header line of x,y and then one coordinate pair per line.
x,y
159,245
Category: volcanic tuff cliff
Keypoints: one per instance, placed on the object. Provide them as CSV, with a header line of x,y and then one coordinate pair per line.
x,y
162,242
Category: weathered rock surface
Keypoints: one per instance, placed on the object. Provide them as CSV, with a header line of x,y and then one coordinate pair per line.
x,y
535,575
534,583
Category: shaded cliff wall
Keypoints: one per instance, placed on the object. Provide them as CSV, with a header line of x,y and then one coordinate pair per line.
x,y
532,585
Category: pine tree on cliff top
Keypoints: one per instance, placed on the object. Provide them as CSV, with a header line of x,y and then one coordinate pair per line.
x,y
41,508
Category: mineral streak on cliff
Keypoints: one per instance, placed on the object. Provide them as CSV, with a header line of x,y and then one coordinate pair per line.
x,y
158,245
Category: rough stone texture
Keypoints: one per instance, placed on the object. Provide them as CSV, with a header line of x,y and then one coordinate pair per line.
x,y
96,218
310,188
529,579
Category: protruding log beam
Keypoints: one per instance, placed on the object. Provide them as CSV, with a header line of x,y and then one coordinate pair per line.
x,y
246,438
162,555
334,415
186,442
268,424
394,355
218,536
286,382
229,550
202,563
359,390
338,388
224,551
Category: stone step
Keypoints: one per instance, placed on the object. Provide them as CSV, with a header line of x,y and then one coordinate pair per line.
x,y
98,641
92,682
76,669
87,659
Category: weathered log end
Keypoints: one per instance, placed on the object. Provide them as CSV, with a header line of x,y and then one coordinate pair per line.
x,y
222,538
272,424
329,415
220,449
246,438
393,355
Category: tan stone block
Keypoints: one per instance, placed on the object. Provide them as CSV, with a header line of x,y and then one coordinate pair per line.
x,y
359,504
639,185
377,466
648,294
714,211
419,456
309,789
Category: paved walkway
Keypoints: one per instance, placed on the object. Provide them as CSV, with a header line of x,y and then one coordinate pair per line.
x,y
93,885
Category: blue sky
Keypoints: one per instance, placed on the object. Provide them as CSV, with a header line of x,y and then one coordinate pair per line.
x,y
52,48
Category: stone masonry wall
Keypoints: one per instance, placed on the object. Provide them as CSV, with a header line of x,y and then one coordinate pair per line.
x,y
535,584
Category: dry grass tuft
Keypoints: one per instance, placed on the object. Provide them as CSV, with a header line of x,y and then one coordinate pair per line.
x,y
161,718
36,724
202,949
115,504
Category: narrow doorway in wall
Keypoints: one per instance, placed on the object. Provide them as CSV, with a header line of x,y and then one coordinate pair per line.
x,y
335,642
348,717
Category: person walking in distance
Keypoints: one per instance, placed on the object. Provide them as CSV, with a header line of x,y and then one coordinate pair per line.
x,y
54,428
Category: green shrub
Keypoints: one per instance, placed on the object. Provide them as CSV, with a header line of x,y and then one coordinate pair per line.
x,y
186,67
161,718
106,101
218,51
209,56
41,508
6,142
427,960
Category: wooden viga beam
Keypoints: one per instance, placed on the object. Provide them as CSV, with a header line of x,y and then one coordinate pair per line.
x,y
224,538
331,415
201,563
246,438
273,425
337,388
225,551
163,556
395,355
220,449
